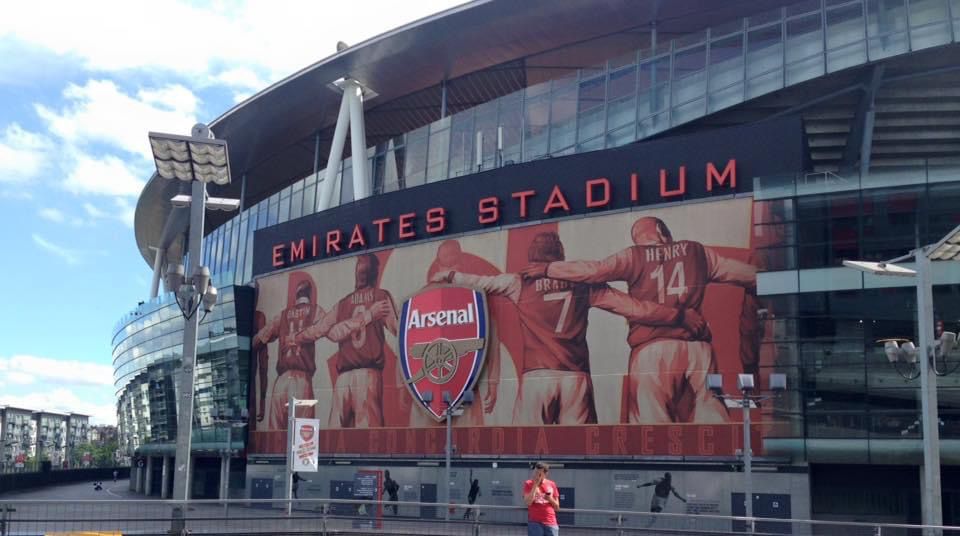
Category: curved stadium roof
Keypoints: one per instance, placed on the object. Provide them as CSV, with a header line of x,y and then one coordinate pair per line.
x,y
481,48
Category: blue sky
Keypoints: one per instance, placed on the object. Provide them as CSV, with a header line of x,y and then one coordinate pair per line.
x,y
81,84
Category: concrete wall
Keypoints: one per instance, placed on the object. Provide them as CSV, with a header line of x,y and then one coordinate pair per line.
x,y
21,481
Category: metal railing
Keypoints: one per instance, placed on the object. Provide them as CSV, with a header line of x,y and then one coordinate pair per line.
x,y
325,516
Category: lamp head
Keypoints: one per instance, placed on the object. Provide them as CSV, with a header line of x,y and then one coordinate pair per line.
x,y
715,383
467,398
745,382
908,352
427,397
948,341
778,382
446,398
201,279
209,299
174,277
892,351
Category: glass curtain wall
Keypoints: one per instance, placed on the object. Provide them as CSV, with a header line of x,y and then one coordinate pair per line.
x,y
624,99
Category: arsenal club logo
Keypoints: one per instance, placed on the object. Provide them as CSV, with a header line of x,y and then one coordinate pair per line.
x,y
443,336
306,432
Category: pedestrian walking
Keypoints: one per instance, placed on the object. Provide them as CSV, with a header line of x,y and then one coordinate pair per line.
x,y
542,498
472,497
392,488
296,484
115,473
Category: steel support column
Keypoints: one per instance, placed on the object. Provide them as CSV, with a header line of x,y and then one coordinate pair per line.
x,y
165,478
860,137
148,486
358,140
328,186
158,260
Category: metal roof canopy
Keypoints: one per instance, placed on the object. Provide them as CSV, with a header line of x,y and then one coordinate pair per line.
x,y
271,134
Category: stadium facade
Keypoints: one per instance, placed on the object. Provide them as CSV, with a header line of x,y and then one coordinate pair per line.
x,y
605,173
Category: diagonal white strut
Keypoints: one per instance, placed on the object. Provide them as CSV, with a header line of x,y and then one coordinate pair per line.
x,y
351,114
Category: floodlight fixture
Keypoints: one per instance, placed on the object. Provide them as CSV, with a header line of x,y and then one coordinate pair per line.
x,y
778,382
745,383
199,157
174,276
209,299
715,383
948,341
880,268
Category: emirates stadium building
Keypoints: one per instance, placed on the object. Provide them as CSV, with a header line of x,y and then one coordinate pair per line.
x,y
630,196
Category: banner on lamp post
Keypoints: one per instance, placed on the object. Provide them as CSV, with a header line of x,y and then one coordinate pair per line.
x,y
305,448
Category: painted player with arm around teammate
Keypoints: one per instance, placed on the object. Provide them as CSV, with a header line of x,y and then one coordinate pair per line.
x,y
668,368
556,387
297,327
358,390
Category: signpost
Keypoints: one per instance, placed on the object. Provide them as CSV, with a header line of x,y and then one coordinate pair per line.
x,y
303,447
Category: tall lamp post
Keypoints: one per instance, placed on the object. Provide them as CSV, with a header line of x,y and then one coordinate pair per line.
x,y
199,159
947,248
448,413
747,400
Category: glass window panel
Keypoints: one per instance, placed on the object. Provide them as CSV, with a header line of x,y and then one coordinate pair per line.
x,y
462,141
726,63
592,94
439,150
310,196
416,157
234,243
346,182
804,37
591,123
393,169
591,145
622,136
929,23
296,202
536,127
845,37
621,112
511,124
485,123
764,51
563,119
654,86
623,82
284,209
886,28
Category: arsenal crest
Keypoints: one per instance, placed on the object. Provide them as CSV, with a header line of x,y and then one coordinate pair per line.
x,y
443,338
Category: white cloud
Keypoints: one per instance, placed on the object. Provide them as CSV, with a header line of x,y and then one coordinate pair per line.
x,y
68,255
51,214
23,154
270,39
123,212
105,176
100,112
61,372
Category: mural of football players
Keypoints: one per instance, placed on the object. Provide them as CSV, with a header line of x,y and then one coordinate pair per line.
x,y
297,327
668,368
358,390
450,257
555,386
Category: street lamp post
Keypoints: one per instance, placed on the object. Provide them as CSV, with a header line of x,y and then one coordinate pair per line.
x,y
947,248
199,159
448,414
746,401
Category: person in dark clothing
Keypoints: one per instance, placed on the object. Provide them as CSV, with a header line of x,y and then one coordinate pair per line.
x,y
662,487
472,497
392,488
296,483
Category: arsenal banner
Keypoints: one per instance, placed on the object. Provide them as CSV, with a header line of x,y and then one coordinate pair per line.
x,y
304,451
585,336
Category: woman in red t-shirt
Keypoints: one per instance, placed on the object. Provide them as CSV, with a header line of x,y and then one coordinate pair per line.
x,y
543,501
